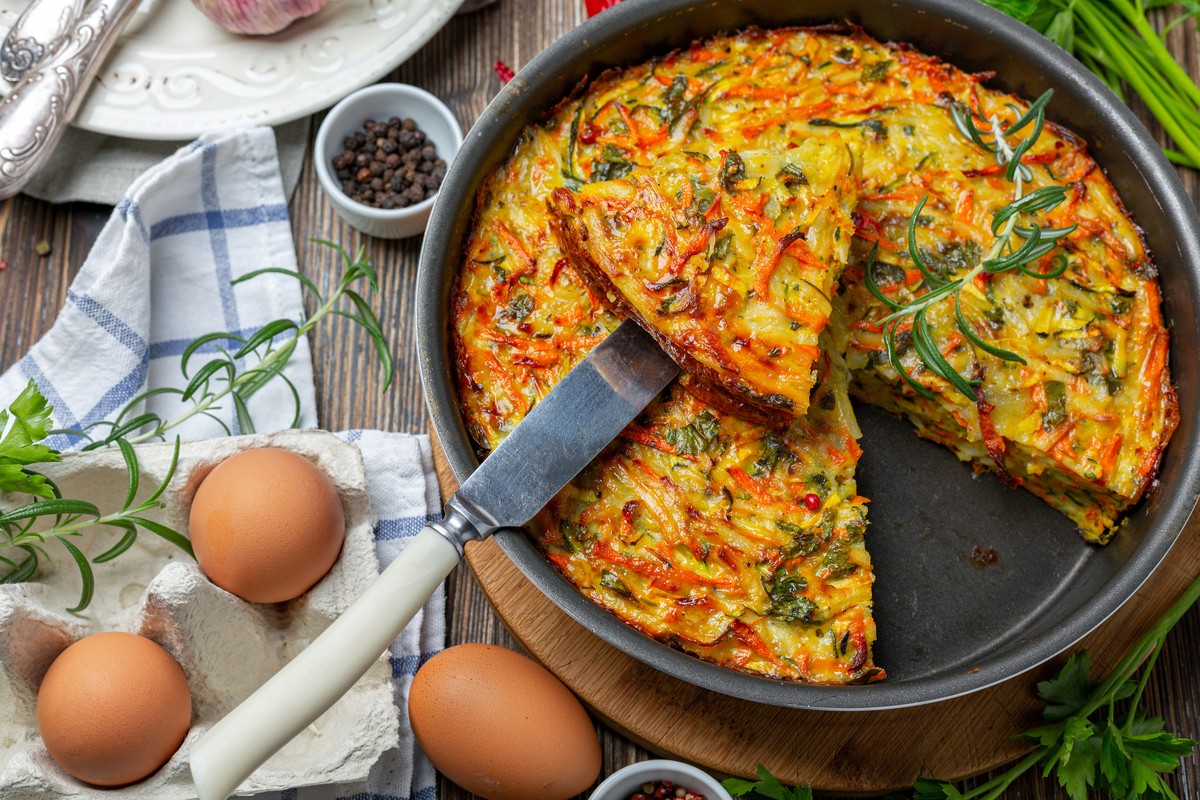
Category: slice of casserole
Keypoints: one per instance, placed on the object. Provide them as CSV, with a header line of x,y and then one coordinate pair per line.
x,y
734,541
728,261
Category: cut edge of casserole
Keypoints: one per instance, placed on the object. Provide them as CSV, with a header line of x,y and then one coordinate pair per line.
x,y
728,261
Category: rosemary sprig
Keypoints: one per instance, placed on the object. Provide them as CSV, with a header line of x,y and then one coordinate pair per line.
x,y
1015,246
24,529
225,379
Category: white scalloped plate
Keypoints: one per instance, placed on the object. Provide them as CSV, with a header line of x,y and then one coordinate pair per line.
x,y
175,74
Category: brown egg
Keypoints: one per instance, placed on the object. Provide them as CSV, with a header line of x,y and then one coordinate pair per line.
x,y
113,708
502,726
267,524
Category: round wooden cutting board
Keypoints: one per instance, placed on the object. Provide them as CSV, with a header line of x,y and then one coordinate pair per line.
x,y
862,752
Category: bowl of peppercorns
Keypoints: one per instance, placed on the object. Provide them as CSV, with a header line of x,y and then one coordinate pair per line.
x,y
660,779
381,154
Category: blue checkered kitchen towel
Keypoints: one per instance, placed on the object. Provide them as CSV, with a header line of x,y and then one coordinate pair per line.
x,y
158,277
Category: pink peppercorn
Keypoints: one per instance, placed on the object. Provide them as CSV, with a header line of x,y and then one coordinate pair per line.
x,y
812,501
664,790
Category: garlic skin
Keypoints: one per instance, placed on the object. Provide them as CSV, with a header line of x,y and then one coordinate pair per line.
x,y
257,17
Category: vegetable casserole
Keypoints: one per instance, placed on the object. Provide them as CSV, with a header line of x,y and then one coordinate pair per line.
x,y
725,520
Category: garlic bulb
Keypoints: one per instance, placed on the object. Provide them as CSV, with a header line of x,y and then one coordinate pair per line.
x,y
257,16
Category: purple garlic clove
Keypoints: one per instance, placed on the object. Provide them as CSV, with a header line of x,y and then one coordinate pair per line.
x,y
257,16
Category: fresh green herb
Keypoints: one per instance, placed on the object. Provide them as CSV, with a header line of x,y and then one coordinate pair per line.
x,y
224,379
695,437
572,179
720,248
1086,743
876,127
24,425
733,169
788,603
574,536
951,258
885,273
674,100
837,564
63,519
767,787
702,196
609,580
1015,247
774,450
1056,400
1115,40
878,71
792,176
612,165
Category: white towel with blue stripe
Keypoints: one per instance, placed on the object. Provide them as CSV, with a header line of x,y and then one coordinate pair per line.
x,y
157,278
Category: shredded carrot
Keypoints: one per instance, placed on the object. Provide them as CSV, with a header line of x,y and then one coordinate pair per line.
x,y
966,206
1037,394
749,637
514,244
1150,374
501,374
953,340
1109,460
658,574
760,492
767,259
644,437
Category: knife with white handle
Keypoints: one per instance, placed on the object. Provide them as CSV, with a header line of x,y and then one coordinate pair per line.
x,y
559,437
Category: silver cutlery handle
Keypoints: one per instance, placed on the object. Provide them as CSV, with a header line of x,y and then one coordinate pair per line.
x,y
40,31
35,113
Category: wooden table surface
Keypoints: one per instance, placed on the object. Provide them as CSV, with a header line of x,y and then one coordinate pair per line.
x,y
457,66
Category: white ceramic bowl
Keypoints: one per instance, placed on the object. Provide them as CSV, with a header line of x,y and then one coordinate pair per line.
x,y
380,102
624,782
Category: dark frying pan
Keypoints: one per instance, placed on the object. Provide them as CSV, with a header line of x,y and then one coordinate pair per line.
x,y
947,623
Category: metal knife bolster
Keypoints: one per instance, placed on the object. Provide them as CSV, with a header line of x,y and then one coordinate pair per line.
x,y
461,523
583,413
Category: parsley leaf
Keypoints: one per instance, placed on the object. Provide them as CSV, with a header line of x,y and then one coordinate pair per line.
x,y
1128,761
774,450
22,427
933,789
695,437
1067,692
733,170
792,176
767,786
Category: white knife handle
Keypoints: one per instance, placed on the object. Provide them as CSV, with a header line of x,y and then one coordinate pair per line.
x,y
314,680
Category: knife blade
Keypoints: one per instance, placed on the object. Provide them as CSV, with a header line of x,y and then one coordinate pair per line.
x,y
583,413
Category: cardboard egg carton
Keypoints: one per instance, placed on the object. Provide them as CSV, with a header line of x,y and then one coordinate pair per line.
x,y
226,646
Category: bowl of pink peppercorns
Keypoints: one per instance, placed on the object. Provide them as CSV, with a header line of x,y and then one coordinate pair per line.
x,y
381,155
660,780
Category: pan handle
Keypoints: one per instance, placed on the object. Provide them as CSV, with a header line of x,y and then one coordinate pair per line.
x,y
313,681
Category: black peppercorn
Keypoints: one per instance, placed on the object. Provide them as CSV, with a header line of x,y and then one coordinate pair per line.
x,y
389,164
